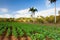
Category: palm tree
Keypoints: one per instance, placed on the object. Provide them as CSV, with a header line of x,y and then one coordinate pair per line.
x,y
33,10
54,1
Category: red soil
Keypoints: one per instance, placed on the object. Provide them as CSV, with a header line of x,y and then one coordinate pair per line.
x,y
14,38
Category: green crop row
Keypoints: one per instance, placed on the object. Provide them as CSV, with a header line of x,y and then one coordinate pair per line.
x,y
35,31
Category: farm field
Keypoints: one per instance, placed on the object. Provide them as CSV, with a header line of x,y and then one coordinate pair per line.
x,y
26,31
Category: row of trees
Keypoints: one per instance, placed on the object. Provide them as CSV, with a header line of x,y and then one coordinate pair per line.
x,y
41,19
7,19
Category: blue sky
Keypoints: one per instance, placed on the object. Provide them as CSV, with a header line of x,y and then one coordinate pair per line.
x,y
17,5
22,4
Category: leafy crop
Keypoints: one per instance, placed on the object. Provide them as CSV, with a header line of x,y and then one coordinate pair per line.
x,y
35,31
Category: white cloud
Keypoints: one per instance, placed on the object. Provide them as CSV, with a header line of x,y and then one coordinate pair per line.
x,y
3,10
25,13
22,11
6,16
47,12
21,15
39,13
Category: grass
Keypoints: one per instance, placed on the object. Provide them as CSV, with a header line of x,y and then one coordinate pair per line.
x,y
35,31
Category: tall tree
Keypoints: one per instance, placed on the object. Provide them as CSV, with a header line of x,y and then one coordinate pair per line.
x,y
54,1
33,10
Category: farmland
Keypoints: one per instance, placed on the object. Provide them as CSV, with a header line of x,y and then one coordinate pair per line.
x,y
34,31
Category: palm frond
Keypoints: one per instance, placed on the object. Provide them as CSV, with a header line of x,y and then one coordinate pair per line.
x,y
52,1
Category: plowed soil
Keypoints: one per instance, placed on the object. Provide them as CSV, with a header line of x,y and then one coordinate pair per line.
x,y
14,38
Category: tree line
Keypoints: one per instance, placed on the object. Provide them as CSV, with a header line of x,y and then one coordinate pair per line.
x,y
40,19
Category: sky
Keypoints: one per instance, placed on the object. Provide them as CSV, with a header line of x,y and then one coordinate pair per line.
x,y
20,8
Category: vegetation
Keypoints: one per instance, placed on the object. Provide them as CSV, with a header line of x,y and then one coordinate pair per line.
x,y
41,19
35,31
